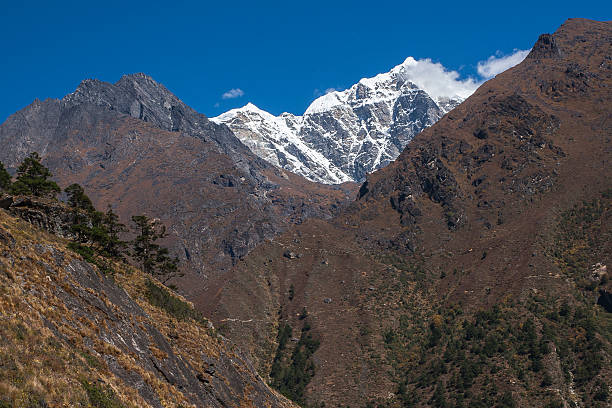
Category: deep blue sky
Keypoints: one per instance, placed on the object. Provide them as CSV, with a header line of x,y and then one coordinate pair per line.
x,y
278,53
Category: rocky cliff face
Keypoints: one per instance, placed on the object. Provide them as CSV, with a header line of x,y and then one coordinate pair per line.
x,y
141,97
46,214
72,336
343,135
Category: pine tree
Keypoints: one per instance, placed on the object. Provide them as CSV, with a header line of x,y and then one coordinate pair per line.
x,y
144,246
78,199
33,179
113,245
166,266
153,258
5,178
86,220
96,233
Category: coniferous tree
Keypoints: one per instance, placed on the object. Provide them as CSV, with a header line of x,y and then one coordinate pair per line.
x,y
88,227
144,246
83,213
166,266
93,226
5,178
33,179
96,233
114,246
153,258
78,199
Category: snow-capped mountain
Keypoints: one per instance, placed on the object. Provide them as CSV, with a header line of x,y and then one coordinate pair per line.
x,y
345,134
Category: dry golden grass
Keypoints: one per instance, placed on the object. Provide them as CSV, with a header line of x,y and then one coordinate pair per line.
x,y
47,350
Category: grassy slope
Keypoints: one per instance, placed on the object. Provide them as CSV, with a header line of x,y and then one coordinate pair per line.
x,y
51,355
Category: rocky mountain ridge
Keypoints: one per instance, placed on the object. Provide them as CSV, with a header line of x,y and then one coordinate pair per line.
x,y
135,95
141,97
343,135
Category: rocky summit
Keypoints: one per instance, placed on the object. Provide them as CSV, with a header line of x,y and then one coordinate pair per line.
x,y
343,135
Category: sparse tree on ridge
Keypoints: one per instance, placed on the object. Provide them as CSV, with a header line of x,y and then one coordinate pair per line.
x,y
33,179
96,233
78,199
98,228
87,224
5,178
113,246
152,258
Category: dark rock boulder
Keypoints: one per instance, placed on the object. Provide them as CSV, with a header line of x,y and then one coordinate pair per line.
x,y
605,300
49,215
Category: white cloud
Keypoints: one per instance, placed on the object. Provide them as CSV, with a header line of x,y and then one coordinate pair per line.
x,y
318,92
498,63
436,80
233,93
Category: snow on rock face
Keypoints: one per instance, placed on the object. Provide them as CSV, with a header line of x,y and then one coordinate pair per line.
x,y
276,140
345,134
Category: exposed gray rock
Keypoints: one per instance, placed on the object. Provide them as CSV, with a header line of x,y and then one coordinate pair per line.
x,y
45,214
141,97
42,124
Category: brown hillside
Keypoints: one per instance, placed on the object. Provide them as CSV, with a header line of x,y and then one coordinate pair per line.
x,y
483,209
71,336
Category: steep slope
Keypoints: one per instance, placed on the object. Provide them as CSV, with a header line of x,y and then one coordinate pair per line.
x,y
72,336
469,270
344,134
136,146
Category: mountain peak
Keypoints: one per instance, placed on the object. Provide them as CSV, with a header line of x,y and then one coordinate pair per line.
x,y
345,134
250,107
144,80
139,96
138,75
545,47
84,86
